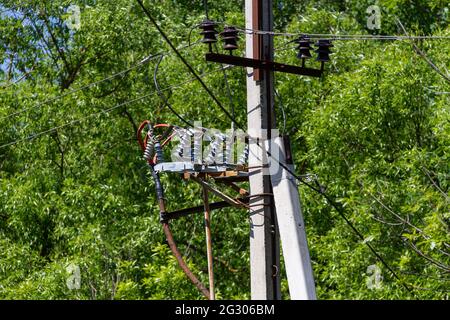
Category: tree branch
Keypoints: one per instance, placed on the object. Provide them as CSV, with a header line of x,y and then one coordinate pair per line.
x,y
428,258
423,55
425,170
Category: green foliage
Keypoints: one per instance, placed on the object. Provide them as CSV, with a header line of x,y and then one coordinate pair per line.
x,y
373,130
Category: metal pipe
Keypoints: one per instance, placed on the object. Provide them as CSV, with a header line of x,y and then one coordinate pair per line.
x,y
233,202
212,206
172,245
209,251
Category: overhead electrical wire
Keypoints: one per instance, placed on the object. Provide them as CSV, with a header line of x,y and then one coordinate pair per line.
x,y
423,55
190,68
335,36
232,117
15,82
285,167
340,210
92,84
225,76
108,110
145,60
163,97
73,122
329,36
205,4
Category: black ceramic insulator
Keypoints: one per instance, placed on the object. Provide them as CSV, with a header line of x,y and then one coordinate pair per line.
x,y
230,38
323,50
209,32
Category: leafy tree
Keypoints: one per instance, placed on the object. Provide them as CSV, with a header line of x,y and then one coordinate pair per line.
x,y
374,130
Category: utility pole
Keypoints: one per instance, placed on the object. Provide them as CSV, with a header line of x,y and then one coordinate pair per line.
x,y
264,240
264,237
267,188
291,225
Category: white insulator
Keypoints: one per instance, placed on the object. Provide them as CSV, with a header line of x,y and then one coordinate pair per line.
x,y
215,155
243,158
149,151
198,145
182,152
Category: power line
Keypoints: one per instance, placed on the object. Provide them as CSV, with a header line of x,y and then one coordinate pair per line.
x,y
340,36
340,211
225,76
92,84
321,192
71,123
205,4
190,68
163,97
15,82
145,60
423,55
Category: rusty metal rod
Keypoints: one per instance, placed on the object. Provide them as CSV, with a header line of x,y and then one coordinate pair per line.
x,y
212,206
236,188
209,251
173,247
170,240
233,202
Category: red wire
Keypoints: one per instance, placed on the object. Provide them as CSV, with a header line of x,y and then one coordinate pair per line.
x,y
143,143
162,125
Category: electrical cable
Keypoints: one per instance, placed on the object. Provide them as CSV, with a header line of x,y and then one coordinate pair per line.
x,y
190,68
225,76
33,136
190,33
145,60
71,123
335,36
321,192
142,62
423,55
340,36
25,74
163,97
205,4
162,208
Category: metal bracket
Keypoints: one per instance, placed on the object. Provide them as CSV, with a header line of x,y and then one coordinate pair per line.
x,y
182,167
262,64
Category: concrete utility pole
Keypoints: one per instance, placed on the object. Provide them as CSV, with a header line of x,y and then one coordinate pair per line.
x,y
291,226
264,237
264,240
